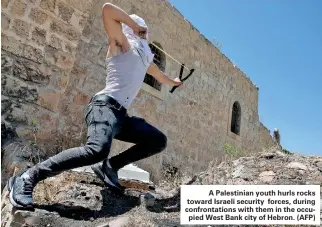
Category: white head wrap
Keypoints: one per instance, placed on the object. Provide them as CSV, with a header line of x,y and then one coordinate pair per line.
x,y
133,39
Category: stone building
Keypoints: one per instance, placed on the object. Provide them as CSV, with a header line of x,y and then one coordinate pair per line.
x,y
53,61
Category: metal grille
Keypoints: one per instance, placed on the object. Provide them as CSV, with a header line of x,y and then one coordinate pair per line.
x,y
235,118
150,80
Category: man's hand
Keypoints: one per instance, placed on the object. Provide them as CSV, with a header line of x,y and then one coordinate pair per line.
x,y
154,71
177,82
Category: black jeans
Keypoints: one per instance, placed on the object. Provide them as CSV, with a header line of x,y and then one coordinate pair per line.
x,y
105,123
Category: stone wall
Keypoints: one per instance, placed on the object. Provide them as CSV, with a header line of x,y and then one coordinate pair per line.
x,y
53,61
265,138
39,41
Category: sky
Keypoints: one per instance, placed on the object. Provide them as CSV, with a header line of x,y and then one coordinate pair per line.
x,y
278,45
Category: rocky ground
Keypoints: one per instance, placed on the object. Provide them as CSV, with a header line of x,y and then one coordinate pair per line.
x,y
78,199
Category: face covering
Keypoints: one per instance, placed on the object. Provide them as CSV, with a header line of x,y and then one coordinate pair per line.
x,y
141,44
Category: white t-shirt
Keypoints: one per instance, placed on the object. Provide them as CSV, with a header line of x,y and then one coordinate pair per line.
x,y
126,71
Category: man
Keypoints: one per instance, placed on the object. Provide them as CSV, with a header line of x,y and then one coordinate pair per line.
x,y
128,59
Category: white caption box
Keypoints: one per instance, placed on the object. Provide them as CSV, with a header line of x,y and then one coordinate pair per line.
x,y
250,204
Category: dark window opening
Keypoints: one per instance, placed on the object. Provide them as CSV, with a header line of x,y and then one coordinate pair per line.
x,y
159,60
236,118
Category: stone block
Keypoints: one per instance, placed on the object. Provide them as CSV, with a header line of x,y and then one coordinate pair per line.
x,y
4,3
11,45
49,5
38,16
17,115
5,104
92,85
65,12
18,8
33,53
21,28
63,81
39,36
59,78
59,58
69,47
81,99
31,72
6,64
64,29
65,60
73,114
127,6
82,21
78,21
55,42
91,50
77,77
13,87
49,99
5,21
83,5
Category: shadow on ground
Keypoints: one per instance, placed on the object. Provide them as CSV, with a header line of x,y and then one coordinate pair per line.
x,y
171,204
166,205
114,204
84,203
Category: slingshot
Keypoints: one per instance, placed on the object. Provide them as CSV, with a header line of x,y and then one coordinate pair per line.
x,y
181,70
182,79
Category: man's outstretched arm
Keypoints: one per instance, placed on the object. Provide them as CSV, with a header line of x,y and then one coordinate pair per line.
x,y
154,71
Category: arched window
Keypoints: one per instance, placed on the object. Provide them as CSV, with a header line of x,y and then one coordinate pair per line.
x,y
236,118
160,61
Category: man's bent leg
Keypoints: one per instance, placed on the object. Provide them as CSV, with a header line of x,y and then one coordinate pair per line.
x,y
148,141
97,148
